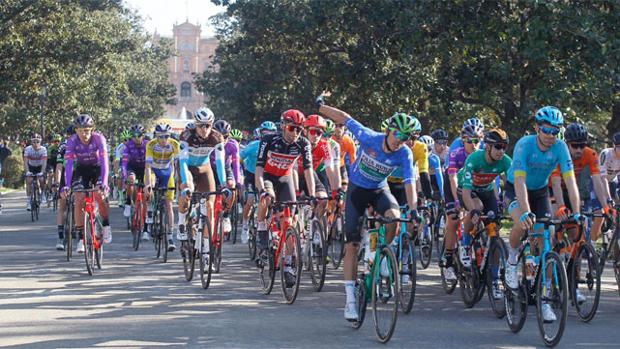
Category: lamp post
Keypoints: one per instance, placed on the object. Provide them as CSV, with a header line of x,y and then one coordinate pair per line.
x,y
42,100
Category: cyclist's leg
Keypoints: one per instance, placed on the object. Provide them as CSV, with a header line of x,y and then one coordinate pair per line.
x,y
320,191
205,182
452,222
184,201
169,200
597,223
387,206
129,187
263,205
249,198
467,222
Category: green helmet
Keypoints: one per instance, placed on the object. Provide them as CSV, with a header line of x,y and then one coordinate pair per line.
x,y
56,137
329,127
125,135
236,134
384,125
404,123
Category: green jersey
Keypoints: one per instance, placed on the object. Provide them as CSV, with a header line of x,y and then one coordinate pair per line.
x,y
478,175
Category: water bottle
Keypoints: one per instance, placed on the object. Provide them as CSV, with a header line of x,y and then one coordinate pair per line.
x,y
530,264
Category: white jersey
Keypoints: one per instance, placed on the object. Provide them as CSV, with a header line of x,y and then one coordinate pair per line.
x,y
35,157
610,163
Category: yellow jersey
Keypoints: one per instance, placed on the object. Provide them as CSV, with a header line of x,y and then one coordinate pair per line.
x,y
420,159
161,157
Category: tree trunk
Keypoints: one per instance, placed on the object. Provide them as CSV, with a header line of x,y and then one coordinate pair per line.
x,y
613,125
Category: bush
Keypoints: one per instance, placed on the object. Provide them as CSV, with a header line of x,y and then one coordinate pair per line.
x,y
13,171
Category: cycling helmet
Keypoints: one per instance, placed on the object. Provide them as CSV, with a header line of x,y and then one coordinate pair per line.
x,y
576,132
70,130
475,122
83,121
56,137
439,134
204,115
417,126
190,126
137,129
472,127
236,134
125,135
330,126
36,137
427,140
550,115
268,125
315,121
404,123
257,133
496,135
384,125
293,116
616,138
222,126
163,128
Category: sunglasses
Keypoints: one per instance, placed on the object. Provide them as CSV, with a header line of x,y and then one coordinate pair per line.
x,y
35,141
294,128
500,146
472,140
340,125
549,130
203,125
442,142
137,135
577,145
163,136
401,136
85,129
315,132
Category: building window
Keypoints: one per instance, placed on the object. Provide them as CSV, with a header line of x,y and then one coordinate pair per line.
x,y
186,89
186,65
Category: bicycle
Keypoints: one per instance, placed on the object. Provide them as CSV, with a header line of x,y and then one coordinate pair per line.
x,y
234,218
138,216
378,283
335,240
69,226
543,278
35,197
611,245
312,234
438,219
93,242
283,251
405,256
252,226
160,227
425,237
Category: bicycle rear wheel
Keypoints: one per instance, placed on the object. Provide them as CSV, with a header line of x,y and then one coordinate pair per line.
x,y
188,254
89,248
385,291
586,280
316,255
553,292
290,263
426,246
362,300
252,238
163,233
137,225
218,240
495,270
267,273
336,242
408,274
68,230
205,253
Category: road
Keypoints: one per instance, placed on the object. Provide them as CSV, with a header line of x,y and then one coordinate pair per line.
x,y
139,302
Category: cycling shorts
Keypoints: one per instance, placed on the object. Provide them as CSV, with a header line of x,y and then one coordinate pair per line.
x,y
138,171
539,201
249,181
87,176
35,169
398,190
357,200
282,188
203,178
318,184
164,178
488,199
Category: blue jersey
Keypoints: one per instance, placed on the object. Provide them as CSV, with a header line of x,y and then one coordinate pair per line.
x,y
249,154
434,163
537,165
372,165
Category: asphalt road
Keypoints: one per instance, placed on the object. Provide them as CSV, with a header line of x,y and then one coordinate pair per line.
x,y
139,302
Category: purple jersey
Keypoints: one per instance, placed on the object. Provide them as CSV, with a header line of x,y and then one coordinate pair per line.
x,y
231,150
94,153
456,160
134,155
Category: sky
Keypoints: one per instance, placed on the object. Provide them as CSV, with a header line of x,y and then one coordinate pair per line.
x,y
160,15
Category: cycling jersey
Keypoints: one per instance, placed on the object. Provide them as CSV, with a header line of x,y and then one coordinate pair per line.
x,y
434,163
479,175
420,156
161,157
610,163
196,151
52,152
278,157
249,155
535,165
334,148
35,157
443,156
347,147
93,154
458,143
589,160
373,165
134,156
231,154
118,152
321,156
457,160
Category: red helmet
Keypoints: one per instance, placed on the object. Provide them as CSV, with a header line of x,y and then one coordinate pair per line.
x,y
315,121
293,116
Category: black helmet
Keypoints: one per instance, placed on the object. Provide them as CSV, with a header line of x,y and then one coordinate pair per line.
x,y
222,126
439,134
70,130
616,138
496,135
576,133
84,120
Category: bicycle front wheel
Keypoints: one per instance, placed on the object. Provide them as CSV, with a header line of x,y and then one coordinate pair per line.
x,y
385,291
585,282
552,293
316,255
68,230
361,295
89,248
408,274
217,242
290,265
426,246
495,268
516,301
336,242
205,252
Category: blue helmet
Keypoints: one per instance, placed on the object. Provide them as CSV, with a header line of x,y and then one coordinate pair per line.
x,y
550,115
268,125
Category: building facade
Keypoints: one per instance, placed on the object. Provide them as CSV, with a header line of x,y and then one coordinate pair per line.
x,y
193,56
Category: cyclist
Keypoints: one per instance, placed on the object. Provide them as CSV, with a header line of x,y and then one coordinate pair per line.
x,y
379,155
195,167
35,157
586,167
347,148
52,153
59,178
87,150
161,154
237,135
534,159
471,135
440,148
434,168
249,155
334,147
132,166
610,166
118,156
233,176
476,188
277,155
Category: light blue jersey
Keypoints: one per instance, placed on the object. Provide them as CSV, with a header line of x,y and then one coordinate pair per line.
x,y
249,154
434,163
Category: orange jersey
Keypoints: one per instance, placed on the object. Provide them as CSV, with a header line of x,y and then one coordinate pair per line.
x,y
346,147
588,159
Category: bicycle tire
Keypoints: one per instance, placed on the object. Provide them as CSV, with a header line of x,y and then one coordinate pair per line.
x,y
316,255
156,232
99,251
68,230
470,283
163,232
206,267
234,220
252,239
448,286
407,298
362,301
336,242
425,249
560,285
217,242
497,250
188,255
592,281
89,253
267,274
384,331
291,244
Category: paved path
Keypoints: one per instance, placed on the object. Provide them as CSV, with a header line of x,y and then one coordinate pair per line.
x,y
138,302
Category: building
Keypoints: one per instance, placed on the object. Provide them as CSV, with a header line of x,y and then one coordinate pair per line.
x,y
193,56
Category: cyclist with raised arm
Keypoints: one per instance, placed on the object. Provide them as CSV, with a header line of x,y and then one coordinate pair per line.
x,y
347,148
379,155
132,166
35,157
534,159
88,152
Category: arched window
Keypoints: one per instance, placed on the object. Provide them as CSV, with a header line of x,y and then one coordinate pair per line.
x,y
186,65
186,89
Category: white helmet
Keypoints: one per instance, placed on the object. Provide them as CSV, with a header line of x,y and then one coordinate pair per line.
x,y
163,128
204,115
428,140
